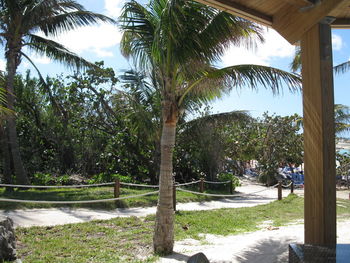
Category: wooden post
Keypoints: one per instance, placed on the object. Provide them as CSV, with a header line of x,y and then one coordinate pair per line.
x,y
117,190
174,196
292,187
201,185
279,190
319,138
231,186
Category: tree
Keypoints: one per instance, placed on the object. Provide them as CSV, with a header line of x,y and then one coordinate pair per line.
x,y
20,23
197,152
279,141
178,42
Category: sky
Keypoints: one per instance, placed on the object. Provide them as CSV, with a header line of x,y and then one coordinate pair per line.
x,y
101,42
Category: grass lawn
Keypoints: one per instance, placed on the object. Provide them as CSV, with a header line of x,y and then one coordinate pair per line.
x,y
130,239
68,194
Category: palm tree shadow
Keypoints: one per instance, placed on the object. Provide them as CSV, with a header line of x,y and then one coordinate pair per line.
x,y
177,256
266,250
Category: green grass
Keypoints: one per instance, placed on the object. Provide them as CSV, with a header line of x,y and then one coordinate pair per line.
x,y
130,239
122,240
68,194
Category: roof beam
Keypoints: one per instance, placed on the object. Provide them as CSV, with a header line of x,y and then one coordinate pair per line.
x,y
341,23
292,23
239,10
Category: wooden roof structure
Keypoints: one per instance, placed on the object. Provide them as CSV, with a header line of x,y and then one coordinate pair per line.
x,y
291,18
309,23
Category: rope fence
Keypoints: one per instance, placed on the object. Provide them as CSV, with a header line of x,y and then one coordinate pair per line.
x,y
214,182
117,190
140,185
76,202
55,186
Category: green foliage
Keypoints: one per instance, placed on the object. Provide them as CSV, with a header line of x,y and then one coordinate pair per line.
x,y
280,143
107,178
223,177
49,179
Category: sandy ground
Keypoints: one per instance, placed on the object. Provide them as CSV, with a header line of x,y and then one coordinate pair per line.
x,y
59,216
265,246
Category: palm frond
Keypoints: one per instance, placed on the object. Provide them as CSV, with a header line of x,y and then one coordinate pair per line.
x,y
254,76
342,118
342,68
296,63
138,32
53,17
57,52
53,26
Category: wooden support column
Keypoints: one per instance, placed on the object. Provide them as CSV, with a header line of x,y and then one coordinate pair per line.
x,y
319,138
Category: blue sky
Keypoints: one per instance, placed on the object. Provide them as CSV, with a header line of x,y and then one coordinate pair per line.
x,y
101,42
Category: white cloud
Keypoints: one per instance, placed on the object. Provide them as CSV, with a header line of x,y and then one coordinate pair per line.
x,y
2,65
97,39
113,7
337,42
274,46
40,60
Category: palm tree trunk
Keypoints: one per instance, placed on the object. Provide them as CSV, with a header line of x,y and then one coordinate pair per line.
x,y
163,239
21,174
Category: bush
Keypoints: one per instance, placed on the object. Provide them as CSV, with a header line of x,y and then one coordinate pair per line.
x,y
43,179
49,179
223,177
107,178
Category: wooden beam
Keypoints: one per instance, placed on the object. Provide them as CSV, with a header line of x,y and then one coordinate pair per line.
x,y
292,23
239,10
341,23
319,138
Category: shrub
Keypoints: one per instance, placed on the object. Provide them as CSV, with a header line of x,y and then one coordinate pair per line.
x,y
223,177
106,178
43,179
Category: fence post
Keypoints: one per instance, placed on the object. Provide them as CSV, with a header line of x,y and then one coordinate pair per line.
x,y
117,190
292,187
279,190
201,185
174,196
231,186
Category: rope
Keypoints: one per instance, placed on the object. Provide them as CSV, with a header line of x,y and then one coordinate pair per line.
x,y
212,182
140,185
287,186
75,202
221,195
54,186
195,182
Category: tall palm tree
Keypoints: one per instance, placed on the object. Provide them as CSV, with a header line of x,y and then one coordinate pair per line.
x,y
179,42
20,23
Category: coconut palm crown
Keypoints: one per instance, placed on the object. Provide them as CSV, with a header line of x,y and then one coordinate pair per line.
x,y
31,24
179,42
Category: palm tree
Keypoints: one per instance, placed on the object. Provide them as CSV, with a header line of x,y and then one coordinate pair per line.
x,y
20,23
178,43
342,119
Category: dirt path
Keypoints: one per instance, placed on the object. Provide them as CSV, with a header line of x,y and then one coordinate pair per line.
x,y
59,216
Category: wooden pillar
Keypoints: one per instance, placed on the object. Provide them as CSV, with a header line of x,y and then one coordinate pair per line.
x,y
319,138
279,191
201,185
